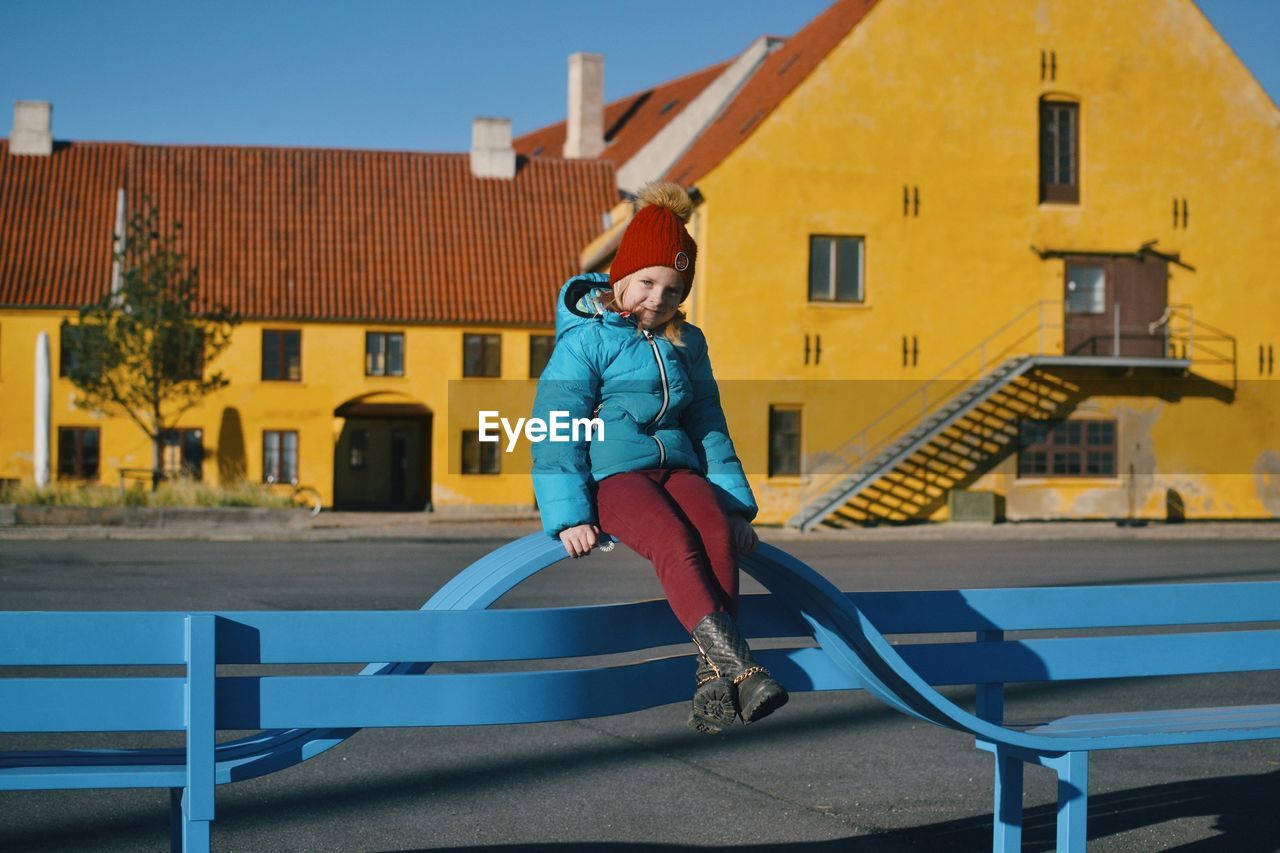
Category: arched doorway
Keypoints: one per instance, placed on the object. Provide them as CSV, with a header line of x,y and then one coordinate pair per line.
x,y
382,459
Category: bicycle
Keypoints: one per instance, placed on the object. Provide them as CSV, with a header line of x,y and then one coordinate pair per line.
x,y
302,497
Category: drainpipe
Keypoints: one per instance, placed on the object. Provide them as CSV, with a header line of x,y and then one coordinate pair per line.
x,y
40,444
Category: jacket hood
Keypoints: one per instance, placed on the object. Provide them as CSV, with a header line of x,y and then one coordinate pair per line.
x,y
581,300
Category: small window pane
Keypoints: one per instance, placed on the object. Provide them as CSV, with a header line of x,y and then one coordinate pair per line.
x,y
395,354
478,457
1102,463
820,268
1102,433
293,355
1034,432
1032,462
849,270
374,363
492,355
359,441
1086,290
290,457
784,442
1066,462
270,457
270,355
540,349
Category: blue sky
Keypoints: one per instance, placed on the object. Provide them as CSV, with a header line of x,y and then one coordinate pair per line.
x,y
391,74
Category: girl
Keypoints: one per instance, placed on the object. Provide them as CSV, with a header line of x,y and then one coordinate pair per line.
x,y
664,478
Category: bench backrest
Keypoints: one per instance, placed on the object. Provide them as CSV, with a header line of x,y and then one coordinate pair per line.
x,y
983,656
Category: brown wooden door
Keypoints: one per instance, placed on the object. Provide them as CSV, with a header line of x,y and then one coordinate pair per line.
x,y
1102,293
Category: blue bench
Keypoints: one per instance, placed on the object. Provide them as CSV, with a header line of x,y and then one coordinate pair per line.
x,y
299,716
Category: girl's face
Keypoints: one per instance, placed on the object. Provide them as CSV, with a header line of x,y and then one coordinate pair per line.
x,y
652,295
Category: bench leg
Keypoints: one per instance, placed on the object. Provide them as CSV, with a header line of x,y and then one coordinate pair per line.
x,y
1073,801
1007,835
185,835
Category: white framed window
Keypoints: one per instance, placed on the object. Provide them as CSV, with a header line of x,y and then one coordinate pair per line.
x,y
836,268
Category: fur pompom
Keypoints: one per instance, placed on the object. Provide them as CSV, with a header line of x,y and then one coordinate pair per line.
x,y
666,194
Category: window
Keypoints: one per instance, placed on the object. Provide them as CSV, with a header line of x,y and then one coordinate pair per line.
x,y
1086,290
358,448
540,347
1067,449
184,355
1059,152
481,355
280,456
384,354
478,457
835,269
282,355
68,339
784,441
78,452
183,452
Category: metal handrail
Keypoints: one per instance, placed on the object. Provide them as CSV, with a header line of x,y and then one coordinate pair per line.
x,y
845,458
858,442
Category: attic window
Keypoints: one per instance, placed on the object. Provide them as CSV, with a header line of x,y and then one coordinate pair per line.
x,y
749,123
536,151
668,106
791,60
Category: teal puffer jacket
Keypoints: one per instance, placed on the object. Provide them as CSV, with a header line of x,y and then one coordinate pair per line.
x,y
659,404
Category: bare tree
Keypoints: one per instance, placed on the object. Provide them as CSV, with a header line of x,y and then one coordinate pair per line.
x,y
144,349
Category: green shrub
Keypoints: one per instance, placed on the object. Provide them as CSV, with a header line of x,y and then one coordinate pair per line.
x,y
179,493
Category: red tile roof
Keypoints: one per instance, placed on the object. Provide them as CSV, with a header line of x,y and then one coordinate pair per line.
x,y
290,233
629,122
778,76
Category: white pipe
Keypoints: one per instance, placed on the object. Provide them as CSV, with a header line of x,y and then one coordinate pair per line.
x,y
40,456
118,248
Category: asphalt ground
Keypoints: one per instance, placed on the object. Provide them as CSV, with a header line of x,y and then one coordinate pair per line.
x,y
830,772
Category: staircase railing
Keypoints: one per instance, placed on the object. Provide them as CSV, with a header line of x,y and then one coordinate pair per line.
x,y
1032,324
1037,330
1197,341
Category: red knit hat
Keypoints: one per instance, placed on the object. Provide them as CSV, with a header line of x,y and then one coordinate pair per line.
x,y
656,236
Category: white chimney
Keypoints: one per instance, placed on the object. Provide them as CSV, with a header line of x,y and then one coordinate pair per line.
x,y
32,128
492,155
584,136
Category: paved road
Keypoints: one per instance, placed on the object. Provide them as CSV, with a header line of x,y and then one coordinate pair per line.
x,y
832,772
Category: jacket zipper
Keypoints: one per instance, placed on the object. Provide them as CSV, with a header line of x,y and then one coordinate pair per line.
x,y
666,396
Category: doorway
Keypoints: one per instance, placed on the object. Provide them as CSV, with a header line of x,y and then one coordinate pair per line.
x,y
1112,302
382,459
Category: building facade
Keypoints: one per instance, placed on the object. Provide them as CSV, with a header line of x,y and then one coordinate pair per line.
x,y
1018,259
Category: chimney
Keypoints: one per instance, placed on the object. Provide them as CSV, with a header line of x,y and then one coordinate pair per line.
x,y
491,153
585,132
32,128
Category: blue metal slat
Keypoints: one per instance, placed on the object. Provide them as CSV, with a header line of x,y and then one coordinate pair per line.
x,y
91,704
90,639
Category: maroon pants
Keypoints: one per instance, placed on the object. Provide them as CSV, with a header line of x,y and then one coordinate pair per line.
x,y
671,517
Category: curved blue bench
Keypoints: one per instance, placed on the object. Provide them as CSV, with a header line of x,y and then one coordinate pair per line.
x,y
301,716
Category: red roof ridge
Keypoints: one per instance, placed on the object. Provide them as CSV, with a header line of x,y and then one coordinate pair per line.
x,y
642,110
778,76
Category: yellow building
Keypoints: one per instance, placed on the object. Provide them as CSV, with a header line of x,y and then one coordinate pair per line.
x,y
369,282
1012,259
1025,250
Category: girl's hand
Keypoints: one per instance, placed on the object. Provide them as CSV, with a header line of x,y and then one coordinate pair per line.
x,y
579,540
742,534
